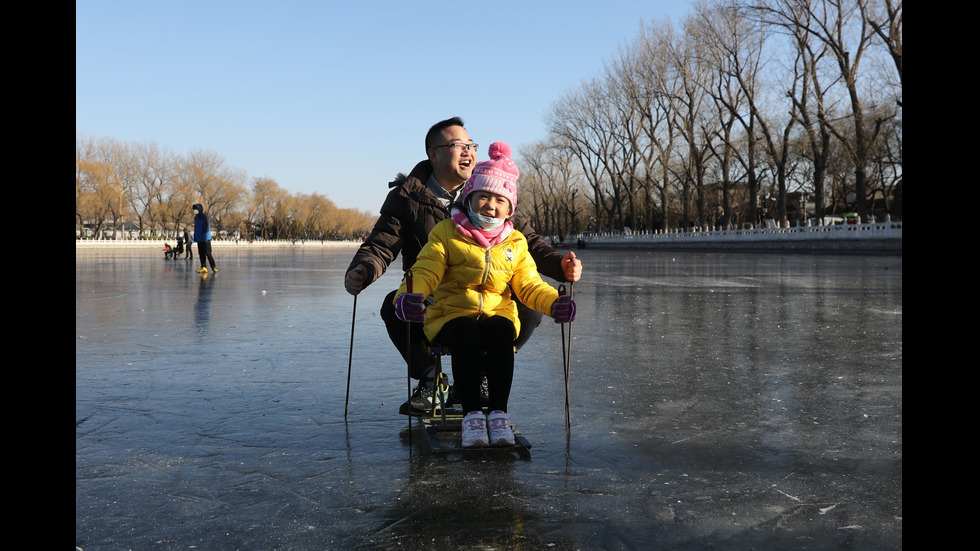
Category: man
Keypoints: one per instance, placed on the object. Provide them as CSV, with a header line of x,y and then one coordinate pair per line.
x,y
202,236
415,204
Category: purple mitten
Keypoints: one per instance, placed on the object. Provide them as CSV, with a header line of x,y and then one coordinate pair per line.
x,y
563,309
410,307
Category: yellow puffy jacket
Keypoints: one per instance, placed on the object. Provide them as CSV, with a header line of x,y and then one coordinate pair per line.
x,y
469,280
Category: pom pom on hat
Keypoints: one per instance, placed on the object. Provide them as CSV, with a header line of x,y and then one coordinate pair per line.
x,y
499,149
498,175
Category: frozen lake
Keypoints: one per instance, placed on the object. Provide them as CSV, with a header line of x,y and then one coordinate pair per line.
x,y
718,401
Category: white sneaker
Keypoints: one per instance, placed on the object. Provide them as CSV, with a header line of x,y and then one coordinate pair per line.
x,y
475,430
499,428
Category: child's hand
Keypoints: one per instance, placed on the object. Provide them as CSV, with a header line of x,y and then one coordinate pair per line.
x,y
563,309
410,307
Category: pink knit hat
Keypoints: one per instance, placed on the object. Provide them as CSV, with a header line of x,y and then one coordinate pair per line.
x,y
498,175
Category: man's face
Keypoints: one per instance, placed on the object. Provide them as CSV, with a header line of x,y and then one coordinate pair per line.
x,y
452,166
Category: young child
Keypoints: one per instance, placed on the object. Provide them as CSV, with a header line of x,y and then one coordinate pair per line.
x,y
471,265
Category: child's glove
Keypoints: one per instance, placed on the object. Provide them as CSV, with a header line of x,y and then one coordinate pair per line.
x,y
563,309
410,307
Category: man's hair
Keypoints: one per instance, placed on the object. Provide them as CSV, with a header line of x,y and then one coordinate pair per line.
x,y
438,127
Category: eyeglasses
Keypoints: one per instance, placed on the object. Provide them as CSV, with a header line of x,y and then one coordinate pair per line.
x,y
460,146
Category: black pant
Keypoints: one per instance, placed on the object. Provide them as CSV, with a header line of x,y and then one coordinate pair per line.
x,y
422,366
204,251
482,346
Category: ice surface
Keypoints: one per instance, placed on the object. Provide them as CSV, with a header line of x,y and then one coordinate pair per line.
x,y
718,401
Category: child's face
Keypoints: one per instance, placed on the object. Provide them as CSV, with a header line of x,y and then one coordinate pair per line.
x,y
490,204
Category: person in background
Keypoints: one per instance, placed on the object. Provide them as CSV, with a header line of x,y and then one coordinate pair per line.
x,y
190,248
202,236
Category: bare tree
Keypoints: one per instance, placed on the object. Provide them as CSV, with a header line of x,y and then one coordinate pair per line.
x,y
99,192
549,188
220,189
148,172
738,43
729,99
537,198
885,17
885,168
266,195
692,70
632,100
579,123
811,107
652,88
841,26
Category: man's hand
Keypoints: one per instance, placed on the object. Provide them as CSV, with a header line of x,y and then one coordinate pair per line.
x,y
354,280
571,267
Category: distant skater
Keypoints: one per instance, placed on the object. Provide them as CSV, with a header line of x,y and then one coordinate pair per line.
x,y
190,248
202,236
179,249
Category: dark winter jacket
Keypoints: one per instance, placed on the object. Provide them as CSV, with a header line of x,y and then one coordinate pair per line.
x,y
202,225
408,215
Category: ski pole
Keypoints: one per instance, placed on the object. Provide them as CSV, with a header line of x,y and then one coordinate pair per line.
x,y
565,358
568,363
408,353
350,355
408,334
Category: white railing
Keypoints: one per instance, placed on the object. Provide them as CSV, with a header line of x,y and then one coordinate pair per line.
x,y
772,233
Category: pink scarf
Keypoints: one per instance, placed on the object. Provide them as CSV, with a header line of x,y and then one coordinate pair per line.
x,y
486,238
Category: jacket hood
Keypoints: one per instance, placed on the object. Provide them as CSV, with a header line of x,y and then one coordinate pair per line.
x,y
421,172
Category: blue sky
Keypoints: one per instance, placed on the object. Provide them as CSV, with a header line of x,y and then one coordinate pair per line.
x,y
335,97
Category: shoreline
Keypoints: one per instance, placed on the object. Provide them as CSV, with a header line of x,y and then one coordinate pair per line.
x,y
862,239
876,247
158,244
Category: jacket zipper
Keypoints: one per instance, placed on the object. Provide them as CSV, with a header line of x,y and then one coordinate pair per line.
x,y
486,274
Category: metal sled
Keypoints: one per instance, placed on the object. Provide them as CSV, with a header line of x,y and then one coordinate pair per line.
x,y
442,427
